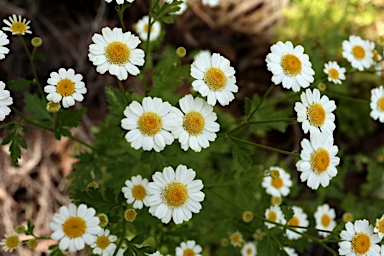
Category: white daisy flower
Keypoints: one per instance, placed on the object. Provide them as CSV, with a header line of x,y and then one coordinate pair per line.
x,y
376,59
315,113
150,125
10,242
318,160
290,66
175,194
189,248
377,104
157,253
201,53
274,213
136,191
325,219
357,51
65,86
215,78
3,41
236,239
17,26
359,239
249,249
211,3
279,186
290,251
379,227
299,219
104,243
183,7
199,125
5,101
75,227
142,26
382,250
115,51
120,1
334,71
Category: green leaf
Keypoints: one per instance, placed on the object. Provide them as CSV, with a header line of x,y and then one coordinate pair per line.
x,y
247,106
374,178
69,117
241,153
17,141
36,108
138,239
20,84
287,211
269,246
39,57
116,100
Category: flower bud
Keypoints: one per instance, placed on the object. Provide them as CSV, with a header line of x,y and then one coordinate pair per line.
x,y
36,42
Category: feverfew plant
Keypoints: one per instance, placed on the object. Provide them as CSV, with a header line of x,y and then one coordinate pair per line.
x,y
172,170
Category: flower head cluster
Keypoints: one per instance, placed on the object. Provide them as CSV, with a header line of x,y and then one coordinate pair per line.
x,y
150,124
358,52
3,41
215,78
116,52
16,25
334,71
175,194
74,227
65,86
5,101
325,219
199,123
315,113
359,239
290,66
142,27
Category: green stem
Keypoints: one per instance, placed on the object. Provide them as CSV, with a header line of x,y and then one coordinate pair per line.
x,y
50,129
265,147
336,95
120,12
5,125
289,119
123,90
123,235
261,101
33,67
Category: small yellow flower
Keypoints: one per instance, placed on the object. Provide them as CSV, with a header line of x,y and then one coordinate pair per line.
x,y
53,107
130,215
33,243
10,242
16,25
247,216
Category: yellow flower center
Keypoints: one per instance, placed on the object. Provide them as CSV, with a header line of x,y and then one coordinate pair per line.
x,y
316,114
117,53
294,221
150,123
146,26
74,227
235,238
102,242
12,242
175,194
272,216
320,160
358,52
380,104
277,183
215,79
65,87
333,73
194,123
380,226
130,215
18,27
189,252
247,216
139,192
361,243
325,220
249,251
375,57
291,64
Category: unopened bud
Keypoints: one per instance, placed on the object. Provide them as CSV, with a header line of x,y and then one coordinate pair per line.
x,y
181,51
36,42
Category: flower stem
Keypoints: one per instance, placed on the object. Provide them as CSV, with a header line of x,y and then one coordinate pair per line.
x,y
345,97
261,101
33,67
265,147
122,235
123,90
120,12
